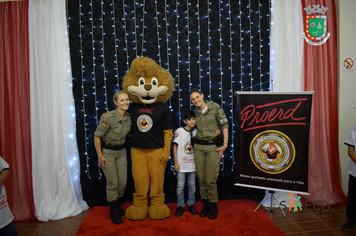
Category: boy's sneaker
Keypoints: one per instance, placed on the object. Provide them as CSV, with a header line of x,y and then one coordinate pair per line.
x,y
179,211
192,210
348,225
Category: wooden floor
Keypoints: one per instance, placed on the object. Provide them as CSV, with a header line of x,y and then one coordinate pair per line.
x,y
295,223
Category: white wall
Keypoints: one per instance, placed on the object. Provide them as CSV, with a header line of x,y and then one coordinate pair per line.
x,y
347,80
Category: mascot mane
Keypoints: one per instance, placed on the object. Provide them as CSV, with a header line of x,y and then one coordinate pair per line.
x,y
147,78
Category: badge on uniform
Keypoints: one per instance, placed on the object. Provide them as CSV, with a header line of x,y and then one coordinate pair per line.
x,y
222,120
103,123
114,126
222,114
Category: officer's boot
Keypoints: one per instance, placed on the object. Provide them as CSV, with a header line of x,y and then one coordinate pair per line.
x,y
204,212
213,210
114,213
121,211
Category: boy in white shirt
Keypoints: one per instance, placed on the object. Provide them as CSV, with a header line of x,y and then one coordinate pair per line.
x,y
351,204
6,225
184,162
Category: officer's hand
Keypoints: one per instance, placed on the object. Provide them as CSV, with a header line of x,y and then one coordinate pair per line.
x,y
102,161
221,150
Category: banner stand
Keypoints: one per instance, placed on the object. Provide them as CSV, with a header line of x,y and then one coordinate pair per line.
x,y
272,193
273,142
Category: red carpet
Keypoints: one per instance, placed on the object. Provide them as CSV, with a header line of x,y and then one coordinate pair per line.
x,y
235,217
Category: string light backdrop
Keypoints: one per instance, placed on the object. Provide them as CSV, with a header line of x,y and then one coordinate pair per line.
x,y
219,47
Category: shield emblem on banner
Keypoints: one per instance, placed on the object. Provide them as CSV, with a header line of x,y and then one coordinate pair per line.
x,y
315,27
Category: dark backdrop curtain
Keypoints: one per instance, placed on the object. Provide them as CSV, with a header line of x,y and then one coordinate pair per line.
x,y
218,46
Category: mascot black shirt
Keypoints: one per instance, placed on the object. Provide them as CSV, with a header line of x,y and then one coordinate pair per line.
x,y
148,123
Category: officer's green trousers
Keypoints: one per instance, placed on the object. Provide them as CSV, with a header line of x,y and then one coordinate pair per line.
x,y
115,173
207,165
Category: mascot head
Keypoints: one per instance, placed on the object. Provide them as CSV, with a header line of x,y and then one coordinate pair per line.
x,y
146,82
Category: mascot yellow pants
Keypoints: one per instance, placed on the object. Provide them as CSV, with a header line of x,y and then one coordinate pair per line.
x,y
148,174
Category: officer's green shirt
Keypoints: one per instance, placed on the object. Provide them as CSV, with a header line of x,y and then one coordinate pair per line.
x,y
113,129
213,119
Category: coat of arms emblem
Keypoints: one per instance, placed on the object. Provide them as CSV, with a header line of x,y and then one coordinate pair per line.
x,y
315,25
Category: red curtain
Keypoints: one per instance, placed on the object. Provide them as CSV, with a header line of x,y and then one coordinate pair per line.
x,y
320,75
15,132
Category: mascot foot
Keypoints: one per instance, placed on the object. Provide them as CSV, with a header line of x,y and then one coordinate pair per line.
x,y
136,213
159,213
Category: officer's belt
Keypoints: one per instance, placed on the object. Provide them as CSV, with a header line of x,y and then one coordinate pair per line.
x,y
204,142
112,147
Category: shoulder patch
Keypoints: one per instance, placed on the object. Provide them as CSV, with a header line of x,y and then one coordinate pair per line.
x,y
222,114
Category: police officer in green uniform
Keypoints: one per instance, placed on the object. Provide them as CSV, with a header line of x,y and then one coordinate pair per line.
x,y
208,149
109,140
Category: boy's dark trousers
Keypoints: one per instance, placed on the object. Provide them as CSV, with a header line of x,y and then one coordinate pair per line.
x,y
351,198
9,230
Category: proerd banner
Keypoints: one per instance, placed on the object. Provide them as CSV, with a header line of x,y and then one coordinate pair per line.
x,y
273,139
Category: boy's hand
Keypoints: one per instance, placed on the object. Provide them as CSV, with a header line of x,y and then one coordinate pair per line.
x,y
177,167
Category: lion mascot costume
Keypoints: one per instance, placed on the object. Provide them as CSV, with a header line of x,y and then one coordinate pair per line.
x,y
149,86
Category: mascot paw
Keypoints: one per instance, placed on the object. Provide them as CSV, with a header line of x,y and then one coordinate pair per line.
x,y
159,213
136,213
164,160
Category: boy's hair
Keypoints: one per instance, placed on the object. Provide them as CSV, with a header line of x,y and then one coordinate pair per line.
x,y
188,115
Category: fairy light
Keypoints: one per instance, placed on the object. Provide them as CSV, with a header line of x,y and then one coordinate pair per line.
x,y
97,102
221,44
167,36
167,44
143,27
74,159
270,23
251,46
135,26
209,45
126,44
158,36
222,163
83,90
189,49
178,61
241,52
116,45
199,41
271,82
103,50
260,40
94,59
93,73
232,135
